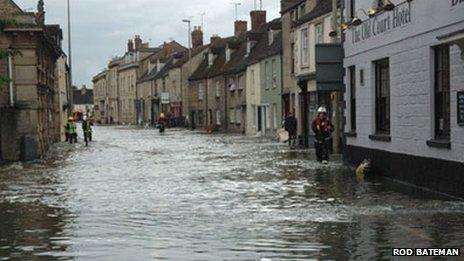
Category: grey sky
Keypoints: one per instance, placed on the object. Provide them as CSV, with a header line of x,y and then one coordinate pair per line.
x,y
101,28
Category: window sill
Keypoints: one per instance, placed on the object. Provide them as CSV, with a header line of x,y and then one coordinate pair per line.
x,y
440,144
351,134
380,137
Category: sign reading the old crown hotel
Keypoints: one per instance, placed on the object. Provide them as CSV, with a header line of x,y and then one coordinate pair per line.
x,y
384,22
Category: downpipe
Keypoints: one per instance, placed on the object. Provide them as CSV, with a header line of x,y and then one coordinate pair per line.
x,y
10,78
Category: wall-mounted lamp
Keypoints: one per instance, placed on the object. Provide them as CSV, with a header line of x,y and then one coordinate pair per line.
x,y
356,21
372,12
388,5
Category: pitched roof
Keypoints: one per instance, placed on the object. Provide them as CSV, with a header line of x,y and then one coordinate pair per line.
x,y
263,48
287,5
82,96
322,7
185,58
218,47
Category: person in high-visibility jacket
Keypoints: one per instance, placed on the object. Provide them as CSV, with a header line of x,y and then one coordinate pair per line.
x,y
71,130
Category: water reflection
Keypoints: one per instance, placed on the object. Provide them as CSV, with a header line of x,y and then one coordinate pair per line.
x,y
133,195
32,229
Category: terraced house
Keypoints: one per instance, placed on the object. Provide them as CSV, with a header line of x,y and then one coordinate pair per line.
x,y
264,81
152,85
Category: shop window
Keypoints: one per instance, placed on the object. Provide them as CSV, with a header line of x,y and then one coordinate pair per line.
x,y
442,93
352,71
382,96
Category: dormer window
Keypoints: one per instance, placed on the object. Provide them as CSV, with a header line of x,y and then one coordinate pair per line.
x,y
271,37
232,86
248,51
210,59
302,10
228,54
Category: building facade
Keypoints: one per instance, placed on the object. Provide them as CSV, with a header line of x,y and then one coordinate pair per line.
x,y
264,82
404,78
100,91
30,116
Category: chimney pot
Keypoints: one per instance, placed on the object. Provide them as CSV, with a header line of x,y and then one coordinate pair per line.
x,y
130,46
197,37
240,27
258,18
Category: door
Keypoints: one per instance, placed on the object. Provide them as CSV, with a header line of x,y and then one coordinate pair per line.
x,y
260,119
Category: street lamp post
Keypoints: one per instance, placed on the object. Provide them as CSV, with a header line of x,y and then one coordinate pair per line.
x,y
189,22
70,59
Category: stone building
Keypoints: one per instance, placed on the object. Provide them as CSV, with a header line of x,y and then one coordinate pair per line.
x,y
313,27
155,81
30,116
264,82
83,103
291,11
101,97
405,92
64,93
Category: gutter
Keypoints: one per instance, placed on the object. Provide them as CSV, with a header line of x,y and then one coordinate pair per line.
x,y
10,76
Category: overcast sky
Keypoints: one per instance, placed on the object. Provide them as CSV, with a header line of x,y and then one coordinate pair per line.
x,y
101,28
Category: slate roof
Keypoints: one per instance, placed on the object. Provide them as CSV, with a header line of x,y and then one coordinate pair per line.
x,y
239,61
262,48
218,47
287,5
185,57
322,7
81,96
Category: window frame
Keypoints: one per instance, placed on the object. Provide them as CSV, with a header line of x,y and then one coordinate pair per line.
x,y
352,73
304,42
382,96
442,98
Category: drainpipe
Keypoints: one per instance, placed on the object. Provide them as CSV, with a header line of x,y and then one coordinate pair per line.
x,y
10,76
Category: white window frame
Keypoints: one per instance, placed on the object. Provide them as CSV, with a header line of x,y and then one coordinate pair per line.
x,y
319,33
218,89
304,41
201,91
218,117
238,115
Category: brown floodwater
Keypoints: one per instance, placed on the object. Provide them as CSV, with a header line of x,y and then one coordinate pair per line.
x,y
136,195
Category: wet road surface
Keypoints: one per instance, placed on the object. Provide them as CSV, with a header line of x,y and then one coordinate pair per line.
x,y
136,195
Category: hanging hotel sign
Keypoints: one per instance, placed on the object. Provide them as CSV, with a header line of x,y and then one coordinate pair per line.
x,y
382,23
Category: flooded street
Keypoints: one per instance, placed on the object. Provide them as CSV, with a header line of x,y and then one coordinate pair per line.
x,y
136,195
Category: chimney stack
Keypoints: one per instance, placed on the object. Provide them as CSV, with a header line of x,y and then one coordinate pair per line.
x,y
214,38
168,49
240,27
138,42
258,18
40,15
197,37
130,46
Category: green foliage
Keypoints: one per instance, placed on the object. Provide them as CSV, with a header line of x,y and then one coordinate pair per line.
x,y
6,22
5,53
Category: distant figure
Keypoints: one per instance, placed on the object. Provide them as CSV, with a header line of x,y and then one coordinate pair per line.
x,y
162,122
87,129
291,127
70,130
322,128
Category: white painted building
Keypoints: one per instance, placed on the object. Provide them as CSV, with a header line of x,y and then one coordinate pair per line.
x,y
404,70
